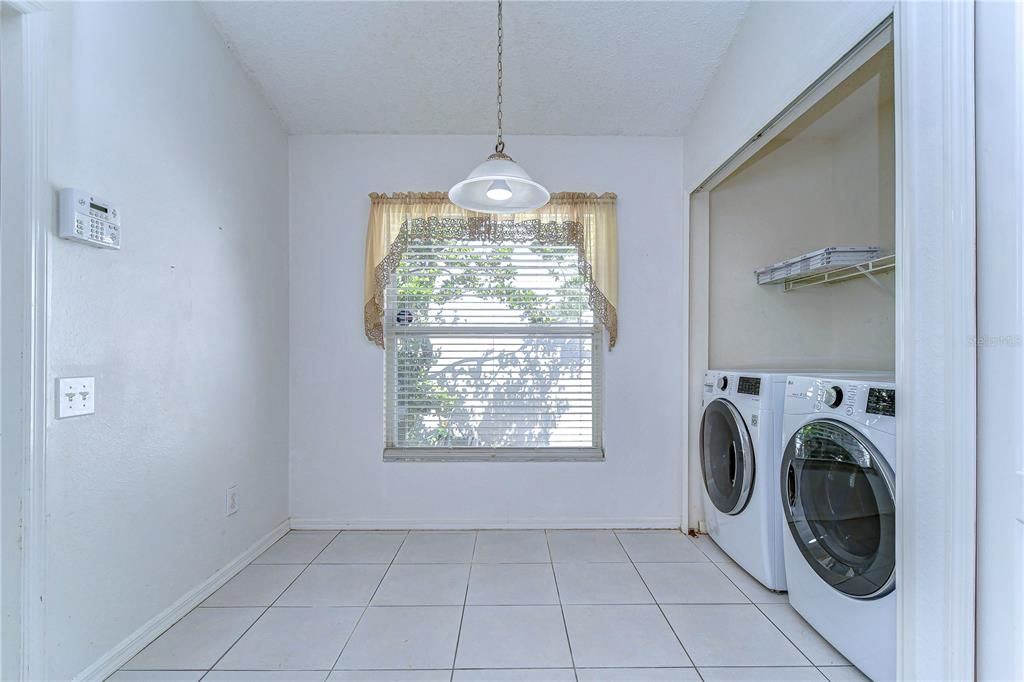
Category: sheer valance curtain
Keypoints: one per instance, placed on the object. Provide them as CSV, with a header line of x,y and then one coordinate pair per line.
x,y
586,221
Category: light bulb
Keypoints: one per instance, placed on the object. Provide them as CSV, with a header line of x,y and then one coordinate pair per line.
x,y
499,191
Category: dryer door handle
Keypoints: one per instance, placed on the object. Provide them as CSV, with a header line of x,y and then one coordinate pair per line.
x,y
791,485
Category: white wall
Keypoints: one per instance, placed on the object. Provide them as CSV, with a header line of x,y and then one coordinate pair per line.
x,y
336,428
185,329
776,207
780,49
1000,166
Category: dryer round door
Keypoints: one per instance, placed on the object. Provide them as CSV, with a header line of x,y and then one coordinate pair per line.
x,y
838,497
726,457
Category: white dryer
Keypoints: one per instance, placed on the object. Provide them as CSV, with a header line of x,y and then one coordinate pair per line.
x,y
740,436
838,496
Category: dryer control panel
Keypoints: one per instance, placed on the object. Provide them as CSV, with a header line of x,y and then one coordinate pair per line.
x,y
837,397
749,385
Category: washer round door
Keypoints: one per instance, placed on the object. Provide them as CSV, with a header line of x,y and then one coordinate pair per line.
x,y
726,457
838,497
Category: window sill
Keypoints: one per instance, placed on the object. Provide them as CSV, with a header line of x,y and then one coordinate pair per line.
x,y
493,454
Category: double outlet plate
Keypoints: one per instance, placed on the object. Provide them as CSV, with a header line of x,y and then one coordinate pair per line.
x,y
76,396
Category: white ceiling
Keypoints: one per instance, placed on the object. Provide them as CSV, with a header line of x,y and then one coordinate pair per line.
x,y
574,68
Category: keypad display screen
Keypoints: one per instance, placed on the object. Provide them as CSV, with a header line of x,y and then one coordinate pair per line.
x,y
882,401
97,207
749,385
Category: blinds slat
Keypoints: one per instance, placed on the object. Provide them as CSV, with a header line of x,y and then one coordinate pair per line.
x,y
469,365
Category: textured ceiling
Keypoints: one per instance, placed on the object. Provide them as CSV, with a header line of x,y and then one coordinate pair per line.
x,y
574,68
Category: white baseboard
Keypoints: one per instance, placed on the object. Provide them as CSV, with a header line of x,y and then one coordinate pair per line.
x,y
110,662
314,523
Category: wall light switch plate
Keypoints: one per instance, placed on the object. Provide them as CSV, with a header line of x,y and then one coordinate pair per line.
x,y
76,396
231,501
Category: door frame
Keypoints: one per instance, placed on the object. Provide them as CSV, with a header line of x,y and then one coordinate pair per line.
x,y
936,359
24,312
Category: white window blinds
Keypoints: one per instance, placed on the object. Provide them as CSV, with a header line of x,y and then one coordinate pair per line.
x,y
492,350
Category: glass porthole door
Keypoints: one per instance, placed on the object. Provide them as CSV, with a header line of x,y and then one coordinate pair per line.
x,y
726,457
838,497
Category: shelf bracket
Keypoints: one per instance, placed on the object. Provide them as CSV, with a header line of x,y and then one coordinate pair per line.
x,y
866,271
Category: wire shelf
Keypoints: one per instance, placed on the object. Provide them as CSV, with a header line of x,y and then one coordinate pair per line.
x,y
868,269
822,260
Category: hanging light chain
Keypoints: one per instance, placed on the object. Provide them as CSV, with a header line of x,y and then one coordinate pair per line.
x,y
500,146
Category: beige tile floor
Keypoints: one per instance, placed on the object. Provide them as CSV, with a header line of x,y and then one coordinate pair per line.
x,y
490,605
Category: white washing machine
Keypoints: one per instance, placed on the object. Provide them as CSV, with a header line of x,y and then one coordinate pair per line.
x,y
838,497
740,456
740,436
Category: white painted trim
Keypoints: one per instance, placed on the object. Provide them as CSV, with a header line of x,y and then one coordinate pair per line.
x,y
31,315
34,520
935,324
698,235
111,661
684,435
323,523
858,55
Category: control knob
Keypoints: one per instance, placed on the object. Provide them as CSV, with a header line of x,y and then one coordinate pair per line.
x,y
834,396
722,383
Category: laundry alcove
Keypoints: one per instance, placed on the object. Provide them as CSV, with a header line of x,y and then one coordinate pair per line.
x,y
825,180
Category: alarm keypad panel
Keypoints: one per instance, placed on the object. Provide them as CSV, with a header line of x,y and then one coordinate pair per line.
x,y
89,219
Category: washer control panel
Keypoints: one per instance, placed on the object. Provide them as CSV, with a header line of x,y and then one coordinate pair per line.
x,y
836,397
88,219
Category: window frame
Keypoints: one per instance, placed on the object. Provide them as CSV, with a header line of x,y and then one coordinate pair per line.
x,y
594,453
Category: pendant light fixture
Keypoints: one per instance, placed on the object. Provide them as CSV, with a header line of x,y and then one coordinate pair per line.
x,y
499,184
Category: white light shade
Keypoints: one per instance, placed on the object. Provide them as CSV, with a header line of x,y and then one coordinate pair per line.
x,y
472,193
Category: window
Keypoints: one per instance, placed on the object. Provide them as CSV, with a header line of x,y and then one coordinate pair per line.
x,y
493,351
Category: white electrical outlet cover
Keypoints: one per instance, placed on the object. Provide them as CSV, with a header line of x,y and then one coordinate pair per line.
x,y
76,396
231,501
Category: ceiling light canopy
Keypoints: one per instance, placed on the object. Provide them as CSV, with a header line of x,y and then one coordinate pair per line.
x,y
499,184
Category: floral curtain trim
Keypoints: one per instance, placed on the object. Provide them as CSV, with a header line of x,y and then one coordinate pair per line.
x,y
583,220
486,229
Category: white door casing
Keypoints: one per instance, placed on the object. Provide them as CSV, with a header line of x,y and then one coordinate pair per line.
x,y
935,352
25,259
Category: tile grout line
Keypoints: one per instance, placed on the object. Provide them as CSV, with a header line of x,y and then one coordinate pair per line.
x,y
737,585
788,638
757,605
710,558
358,670
658,604
369,601
267,608
465,599
534,604
561,607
